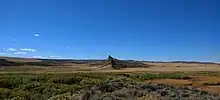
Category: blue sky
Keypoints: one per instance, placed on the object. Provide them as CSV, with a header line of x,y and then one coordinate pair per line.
x,y
128,29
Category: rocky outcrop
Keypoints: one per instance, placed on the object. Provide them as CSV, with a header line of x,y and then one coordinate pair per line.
x,y
118,64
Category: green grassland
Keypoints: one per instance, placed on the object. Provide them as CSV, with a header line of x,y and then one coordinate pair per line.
x,y
98,86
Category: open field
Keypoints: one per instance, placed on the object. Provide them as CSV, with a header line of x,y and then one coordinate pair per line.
x,y
9,64
34,69
110,86
37,79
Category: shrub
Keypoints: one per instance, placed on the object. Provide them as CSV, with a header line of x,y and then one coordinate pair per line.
x,y
88,82
149,76
31,86
20,93
39,78
126,93
13,82
69,88
66,80
146,97
5,93
4,83
65,96
98,86
203,92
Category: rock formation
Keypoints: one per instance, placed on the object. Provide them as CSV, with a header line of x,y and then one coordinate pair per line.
x,y
118,64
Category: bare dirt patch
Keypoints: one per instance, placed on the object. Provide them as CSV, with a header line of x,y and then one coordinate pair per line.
x,y
206,80
213,89
206,83
172,81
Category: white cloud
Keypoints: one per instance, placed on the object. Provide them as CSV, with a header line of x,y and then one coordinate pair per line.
x,y
36,34
22,53
54,56
2,53
11,49
37,57
28,49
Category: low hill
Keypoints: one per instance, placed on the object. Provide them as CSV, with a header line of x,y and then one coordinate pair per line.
x,y
110,62
4,62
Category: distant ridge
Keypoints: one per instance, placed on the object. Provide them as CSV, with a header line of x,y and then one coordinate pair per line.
x,y
186,62
110,62
4,62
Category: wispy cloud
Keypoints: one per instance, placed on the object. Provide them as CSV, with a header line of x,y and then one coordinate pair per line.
x,y
54,56
36,34
37,57
28,49
20,53
11,49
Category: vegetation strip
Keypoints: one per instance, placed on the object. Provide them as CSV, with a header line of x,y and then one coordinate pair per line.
x,y
96,86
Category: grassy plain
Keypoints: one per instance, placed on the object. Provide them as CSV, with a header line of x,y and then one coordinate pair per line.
x,y
80,81
109,85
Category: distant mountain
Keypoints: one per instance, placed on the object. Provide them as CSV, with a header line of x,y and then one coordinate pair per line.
x,y
193,62
186,62
110,62
4,62
13,61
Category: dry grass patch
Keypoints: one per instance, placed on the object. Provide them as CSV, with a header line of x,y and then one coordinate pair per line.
x,y
205,80
172,81
211,89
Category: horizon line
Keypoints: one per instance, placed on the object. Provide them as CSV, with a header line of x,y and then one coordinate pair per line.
x,y
106,58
